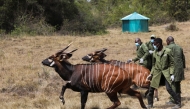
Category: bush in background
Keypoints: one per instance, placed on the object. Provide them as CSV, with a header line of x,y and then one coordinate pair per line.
x,y
42,17
172,27
32,27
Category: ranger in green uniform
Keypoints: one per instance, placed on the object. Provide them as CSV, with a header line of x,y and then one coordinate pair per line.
x,y
162,71
149,44
143,55
179,65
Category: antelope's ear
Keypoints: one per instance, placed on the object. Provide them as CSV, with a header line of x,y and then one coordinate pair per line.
x,y
104,49
61,51
69,55
100,51
72,51
65,56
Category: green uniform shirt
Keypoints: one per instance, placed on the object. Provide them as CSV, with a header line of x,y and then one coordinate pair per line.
x,y
142,52
163,64
179,61
150,46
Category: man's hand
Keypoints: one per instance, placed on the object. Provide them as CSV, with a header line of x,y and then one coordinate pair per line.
x,y
130,60
149,77
141,60
150,51
172,78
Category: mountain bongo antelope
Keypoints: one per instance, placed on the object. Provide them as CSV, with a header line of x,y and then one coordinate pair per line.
x,y
95,78
137,72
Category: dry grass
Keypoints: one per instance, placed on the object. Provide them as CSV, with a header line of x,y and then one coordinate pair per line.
x,y
26,84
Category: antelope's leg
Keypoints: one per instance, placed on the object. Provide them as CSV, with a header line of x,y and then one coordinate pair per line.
x,y
61,97
84,97
132,92
113,97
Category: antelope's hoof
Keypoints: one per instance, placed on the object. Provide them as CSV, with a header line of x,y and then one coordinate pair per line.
x,y
63,102
62,99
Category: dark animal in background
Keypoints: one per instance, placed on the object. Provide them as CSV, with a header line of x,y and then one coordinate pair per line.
x,y
85,78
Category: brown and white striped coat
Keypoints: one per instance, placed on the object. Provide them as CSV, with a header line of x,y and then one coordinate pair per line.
x,y
137,72
86,78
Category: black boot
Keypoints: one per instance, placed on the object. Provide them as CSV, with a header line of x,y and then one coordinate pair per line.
x,y
178,102
150,97
179,98
150,101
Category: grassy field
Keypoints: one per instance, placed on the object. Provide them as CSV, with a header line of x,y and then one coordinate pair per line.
x,y
27,84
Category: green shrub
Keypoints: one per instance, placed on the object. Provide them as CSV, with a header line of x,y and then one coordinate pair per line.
x,y
32,27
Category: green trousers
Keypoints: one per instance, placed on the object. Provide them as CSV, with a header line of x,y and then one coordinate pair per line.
x,y
176,87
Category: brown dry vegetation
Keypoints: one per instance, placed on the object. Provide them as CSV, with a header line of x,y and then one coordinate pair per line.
x,y
26,84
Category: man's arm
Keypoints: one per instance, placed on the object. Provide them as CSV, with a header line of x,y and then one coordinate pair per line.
x,y
171,62
183,58
153,63
145,49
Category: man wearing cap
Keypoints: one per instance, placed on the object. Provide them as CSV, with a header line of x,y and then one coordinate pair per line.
x,y
150,46
144,58
162,71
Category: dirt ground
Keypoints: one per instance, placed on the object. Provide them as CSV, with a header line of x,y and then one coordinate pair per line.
x,y
27,84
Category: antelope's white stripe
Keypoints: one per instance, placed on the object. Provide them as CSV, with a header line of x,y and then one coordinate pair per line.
x,y
103,77
143,78
125,67
132,71
97,77
86,75
116,80
138,70
95,80
110,79
107,76
99,83
140,74
83,78
93,76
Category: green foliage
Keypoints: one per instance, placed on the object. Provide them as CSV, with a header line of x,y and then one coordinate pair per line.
x,y
159,11
55,11
7,14
32,26
85,23
178,9
42,17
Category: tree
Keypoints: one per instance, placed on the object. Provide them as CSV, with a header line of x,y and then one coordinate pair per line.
x,y
178,10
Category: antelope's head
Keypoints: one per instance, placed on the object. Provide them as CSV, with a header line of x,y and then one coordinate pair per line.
x,y
95,56
58,57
